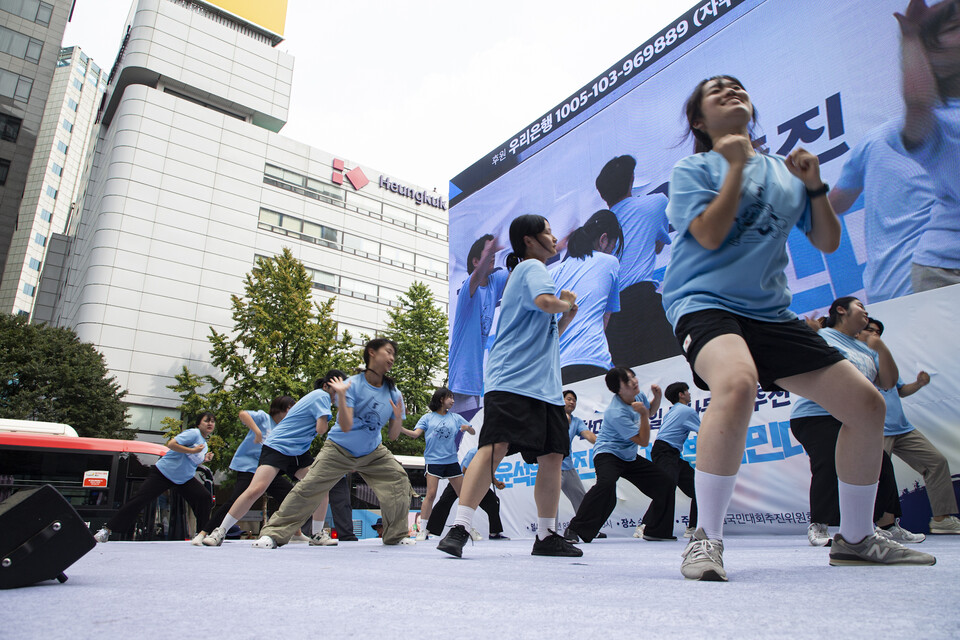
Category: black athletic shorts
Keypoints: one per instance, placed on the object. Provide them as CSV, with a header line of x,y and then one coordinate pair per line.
x,y
531,427
449,470
287,464
779,349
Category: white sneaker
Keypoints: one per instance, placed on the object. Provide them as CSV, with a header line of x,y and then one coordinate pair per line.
x,y
475,535
198,539
949,524
264,542
407,541
323,539
639,532
901,535
422,535
299,536
818,535
689,531
102,536
215,539
703,559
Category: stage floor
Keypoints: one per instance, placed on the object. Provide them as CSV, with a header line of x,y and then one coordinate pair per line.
x,y
779,586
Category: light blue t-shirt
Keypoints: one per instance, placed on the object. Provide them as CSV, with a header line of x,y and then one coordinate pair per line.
x,y
680,420
247,456
577,426
939,245
745,274
440,436
865,359
180,467
297,430
898,196
620,423
644,221
471,327
371,410
595,280
895,423
467,459
525,357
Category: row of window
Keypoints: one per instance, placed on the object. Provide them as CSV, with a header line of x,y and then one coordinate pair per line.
x,y
19,45
32,10
4,170
13,85
319,190
319,234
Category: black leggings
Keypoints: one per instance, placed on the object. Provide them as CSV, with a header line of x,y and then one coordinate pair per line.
x,y
277,490
818,435
156,483
438,517
680,471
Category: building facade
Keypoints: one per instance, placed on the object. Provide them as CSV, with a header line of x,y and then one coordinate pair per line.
x,y
30,35
190,183
60,156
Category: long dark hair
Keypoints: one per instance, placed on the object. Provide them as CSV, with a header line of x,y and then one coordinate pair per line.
x,y
439,396
693,111
833,315
530,224
375,345
582,240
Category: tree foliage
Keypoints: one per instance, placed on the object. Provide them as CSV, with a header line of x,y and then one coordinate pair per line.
x,y
281,343
47,374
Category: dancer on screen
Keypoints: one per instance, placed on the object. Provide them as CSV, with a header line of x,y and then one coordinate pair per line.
x,y
726,295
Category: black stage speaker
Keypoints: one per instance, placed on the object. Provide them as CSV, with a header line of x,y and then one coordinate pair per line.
x,y
41,535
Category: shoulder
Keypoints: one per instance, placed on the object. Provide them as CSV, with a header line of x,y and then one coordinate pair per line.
x,y
606,260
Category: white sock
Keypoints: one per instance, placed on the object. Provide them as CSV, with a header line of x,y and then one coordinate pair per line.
x,y
464,517
856,510
316,526
713,497
228,521
546,526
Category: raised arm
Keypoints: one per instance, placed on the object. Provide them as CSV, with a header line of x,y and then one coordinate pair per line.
x,y
248,422
920,93
484,266
711,227
657,397
923,379
825,227
173,445
565,304
888,374
643,433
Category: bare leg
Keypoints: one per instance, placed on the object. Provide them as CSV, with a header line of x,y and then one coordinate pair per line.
x,y
432,483
479,475
546,491
258,486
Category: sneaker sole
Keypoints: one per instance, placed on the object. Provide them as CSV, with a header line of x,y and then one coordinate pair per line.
x,y
212,544
826,543
710,575
655,539
452,549
944,533
558,555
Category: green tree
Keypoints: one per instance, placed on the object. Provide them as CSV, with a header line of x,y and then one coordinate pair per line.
x,y
47,374
419,327
280,344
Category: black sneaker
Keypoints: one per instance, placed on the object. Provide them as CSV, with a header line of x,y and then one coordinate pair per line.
x,y
498,536
571,536
554,545
454,541
600,536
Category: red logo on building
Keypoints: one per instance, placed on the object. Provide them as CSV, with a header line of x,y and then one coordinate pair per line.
x,y
355,176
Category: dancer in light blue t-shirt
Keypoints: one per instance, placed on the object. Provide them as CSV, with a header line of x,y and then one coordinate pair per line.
x,y
679,422
570,483
726,295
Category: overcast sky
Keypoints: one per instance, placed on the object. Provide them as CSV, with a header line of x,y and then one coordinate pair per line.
x,y
423,89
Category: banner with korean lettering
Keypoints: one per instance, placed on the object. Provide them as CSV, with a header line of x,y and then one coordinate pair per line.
x,y
823,74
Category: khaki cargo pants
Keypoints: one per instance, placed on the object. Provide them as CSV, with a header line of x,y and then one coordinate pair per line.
x,y
379,469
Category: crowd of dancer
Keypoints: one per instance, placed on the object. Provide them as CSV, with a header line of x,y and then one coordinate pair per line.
x,y
726,300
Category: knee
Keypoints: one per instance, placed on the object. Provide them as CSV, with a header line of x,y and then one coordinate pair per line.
x,y
874,408
739,388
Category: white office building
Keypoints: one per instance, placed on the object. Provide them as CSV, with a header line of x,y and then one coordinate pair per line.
x,y
62,149
190,183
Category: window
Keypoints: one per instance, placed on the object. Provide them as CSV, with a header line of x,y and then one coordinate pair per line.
x,y
68,125
439,228
4,170
431,264
21,312
40,239
396,255
13,85
319,231
51,192
79,85
29,9
273,172
45,215
399,215
34,264
294,178
270,217
72,104
57,169
19,45
357,243
328,190
357,286
28,288
323,279
62,147
9,127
